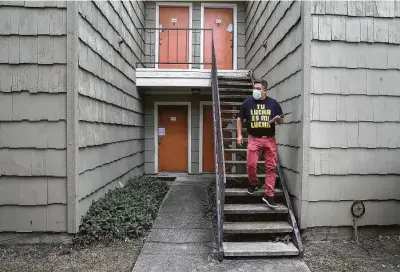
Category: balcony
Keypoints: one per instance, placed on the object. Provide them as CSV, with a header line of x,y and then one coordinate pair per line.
x,y
181,57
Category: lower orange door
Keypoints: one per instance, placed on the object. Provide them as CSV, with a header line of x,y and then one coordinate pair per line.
x,y
220,20
208,160
174,44
172,139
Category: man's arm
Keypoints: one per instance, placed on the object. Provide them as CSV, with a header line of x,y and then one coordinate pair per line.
x,y
278,118
239,124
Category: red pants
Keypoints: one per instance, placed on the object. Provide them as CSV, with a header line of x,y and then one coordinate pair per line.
x,y
269,148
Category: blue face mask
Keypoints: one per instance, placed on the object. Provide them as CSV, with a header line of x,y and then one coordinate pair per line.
x,y
256,94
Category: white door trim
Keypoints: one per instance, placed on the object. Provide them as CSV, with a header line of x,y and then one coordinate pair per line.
x,y
235,33
189,114
202,104
172,4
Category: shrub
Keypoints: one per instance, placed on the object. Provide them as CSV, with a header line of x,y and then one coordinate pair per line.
x,y
126,212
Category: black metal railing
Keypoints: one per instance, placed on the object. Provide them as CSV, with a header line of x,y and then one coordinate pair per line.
x,y
219,152
175,47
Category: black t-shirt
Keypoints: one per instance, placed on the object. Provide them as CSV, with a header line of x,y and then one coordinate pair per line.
x,y
257,113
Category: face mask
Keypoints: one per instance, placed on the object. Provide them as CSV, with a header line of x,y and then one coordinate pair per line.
x,y
256,94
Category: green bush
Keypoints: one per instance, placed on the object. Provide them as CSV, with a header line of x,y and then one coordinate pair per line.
x,y
126,212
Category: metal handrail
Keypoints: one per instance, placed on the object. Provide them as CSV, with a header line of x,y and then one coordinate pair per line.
x,y
150,43
219,153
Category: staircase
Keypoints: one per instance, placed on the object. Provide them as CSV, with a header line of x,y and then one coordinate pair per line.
x,y
249,227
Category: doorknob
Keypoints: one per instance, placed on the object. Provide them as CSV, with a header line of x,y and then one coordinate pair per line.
x,y
231,43
160,41
159,142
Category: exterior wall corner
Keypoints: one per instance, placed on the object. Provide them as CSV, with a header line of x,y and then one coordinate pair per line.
x,y
72,115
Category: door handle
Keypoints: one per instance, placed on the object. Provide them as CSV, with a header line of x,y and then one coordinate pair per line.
x,y
231,43
159,142
160,41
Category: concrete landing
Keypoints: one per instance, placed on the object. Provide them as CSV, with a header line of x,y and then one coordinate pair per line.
x,y
182,240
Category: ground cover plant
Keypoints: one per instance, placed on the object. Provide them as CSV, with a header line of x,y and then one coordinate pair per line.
x,y
123,213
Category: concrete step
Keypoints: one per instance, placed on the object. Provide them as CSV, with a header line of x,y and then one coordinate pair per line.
x,y
247,91
243,192
234,129
229,120
229,111
266,249
256,208
234,139
257,227
242,162
226,103
234,96
234,84
231,78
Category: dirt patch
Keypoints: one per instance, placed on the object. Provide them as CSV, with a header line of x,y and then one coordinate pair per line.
x,y
380,253
116,256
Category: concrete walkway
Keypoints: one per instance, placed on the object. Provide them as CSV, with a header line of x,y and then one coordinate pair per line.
x,y
182,240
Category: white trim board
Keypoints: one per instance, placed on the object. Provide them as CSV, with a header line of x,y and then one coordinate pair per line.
x,y
202,104
172,4
235,36
189,116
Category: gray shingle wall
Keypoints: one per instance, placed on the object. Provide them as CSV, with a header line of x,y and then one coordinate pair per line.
x,y
274,52
355,116
33,116
111,120
196,23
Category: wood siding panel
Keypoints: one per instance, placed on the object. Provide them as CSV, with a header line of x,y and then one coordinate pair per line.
x,y
354,130
111,121
339,213
33,74
274,51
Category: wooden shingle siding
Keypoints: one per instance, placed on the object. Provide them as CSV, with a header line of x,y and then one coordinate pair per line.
x,y
33,46
110,112
355,115
274,51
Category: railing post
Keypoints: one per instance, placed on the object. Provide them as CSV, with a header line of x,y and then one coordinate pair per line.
x,y
219,152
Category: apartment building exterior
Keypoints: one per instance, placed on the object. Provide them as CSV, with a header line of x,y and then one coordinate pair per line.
x,y
90,91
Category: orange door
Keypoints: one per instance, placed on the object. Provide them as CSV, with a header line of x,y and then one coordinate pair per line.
x,y
223,37
174,44
208,160
172,139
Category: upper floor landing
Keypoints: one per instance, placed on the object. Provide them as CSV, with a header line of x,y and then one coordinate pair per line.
x,y
178,42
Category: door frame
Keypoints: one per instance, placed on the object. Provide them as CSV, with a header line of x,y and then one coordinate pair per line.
x,y
235,33
202,104
189,114
172,4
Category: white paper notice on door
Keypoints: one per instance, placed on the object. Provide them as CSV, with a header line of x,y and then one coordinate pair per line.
x,y
173,119
161,131
230,28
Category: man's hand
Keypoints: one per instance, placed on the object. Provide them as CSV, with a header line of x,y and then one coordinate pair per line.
x,y
277,119
240,139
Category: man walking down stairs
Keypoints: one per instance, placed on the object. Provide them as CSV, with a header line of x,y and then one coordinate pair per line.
x,y
258,220
261,113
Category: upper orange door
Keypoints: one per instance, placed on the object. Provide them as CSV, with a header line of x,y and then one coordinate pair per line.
x,y
172,139
208,160
174,44
221,21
